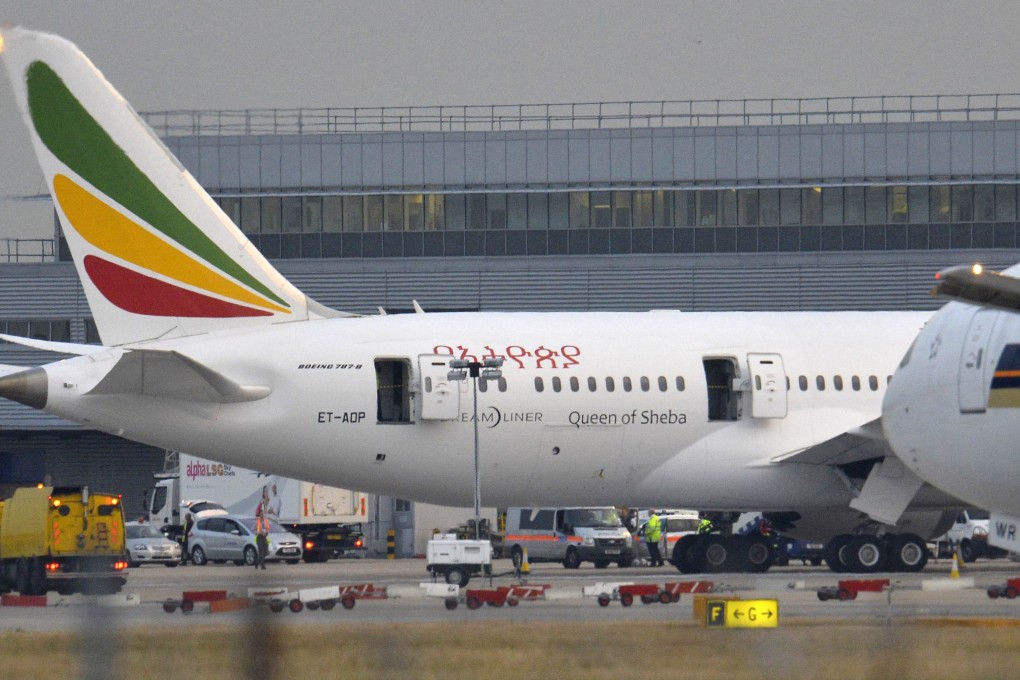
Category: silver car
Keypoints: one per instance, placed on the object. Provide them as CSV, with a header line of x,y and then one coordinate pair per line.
x,y
147,545
232,538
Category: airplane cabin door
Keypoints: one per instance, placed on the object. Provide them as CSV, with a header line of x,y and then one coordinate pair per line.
x,y
440,396
975,373
768,385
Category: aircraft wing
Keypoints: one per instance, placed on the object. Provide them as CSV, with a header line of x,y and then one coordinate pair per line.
x,y
977,286
861,443
172,375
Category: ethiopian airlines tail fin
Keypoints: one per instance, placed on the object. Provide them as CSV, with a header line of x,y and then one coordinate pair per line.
x,y
156,256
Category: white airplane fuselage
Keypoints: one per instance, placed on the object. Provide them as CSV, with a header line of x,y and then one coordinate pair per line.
x,y
647,442
952,412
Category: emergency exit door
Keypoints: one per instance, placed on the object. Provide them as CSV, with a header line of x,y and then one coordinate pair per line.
x,y
975,372
768,385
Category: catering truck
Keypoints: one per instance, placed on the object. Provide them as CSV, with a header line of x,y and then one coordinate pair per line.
x,y
66,539
328,519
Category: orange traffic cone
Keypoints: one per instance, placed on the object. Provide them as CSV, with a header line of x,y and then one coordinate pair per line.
x,y
955,572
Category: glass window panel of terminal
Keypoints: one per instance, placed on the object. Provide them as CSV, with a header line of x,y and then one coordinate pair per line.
x,y
811,205
768,207
517,211
938,203
962,203
353,215
708,207
475,211
538,210
662,208
291,214
272,217
231,205
984,203
643,213
622,209
917,204
251,215
898,205
853,205
579,210
1005,202
456,217
685,209
373,213
875,209
832,205
728,207
601,210
747,207
559,210
789,206
435,212
414,212
311,214
496,215
393,207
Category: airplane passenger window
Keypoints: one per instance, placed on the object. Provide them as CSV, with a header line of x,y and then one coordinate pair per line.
x,y
556,384
873,383
802,381
644,384
592,385
626,384
837,382
574,386
610,384
855,383
663,385
820,383
680,386
539,384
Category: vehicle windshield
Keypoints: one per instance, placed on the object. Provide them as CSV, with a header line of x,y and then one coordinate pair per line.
x,y
592,517
143,531
978,514
249,522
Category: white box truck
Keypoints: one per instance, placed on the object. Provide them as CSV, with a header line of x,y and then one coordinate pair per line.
x,y
328,519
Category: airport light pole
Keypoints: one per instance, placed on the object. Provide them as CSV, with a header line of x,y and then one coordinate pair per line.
x,y
462,369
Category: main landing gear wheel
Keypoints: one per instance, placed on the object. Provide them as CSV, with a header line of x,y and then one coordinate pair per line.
x,y
907,552
866,554
759,554
836,553
688,554
719,554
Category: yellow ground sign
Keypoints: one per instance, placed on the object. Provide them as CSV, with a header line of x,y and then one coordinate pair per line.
x,y
742,613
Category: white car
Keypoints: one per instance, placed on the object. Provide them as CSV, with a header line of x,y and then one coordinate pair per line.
x,y
231,538
147,545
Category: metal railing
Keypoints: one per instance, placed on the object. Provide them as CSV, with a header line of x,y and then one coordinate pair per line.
x,y
588,115
23,250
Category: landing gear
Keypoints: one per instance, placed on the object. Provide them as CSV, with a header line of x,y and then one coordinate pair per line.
x,y
715,553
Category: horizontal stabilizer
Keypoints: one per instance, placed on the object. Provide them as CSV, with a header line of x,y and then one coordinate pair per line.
x,y
53,346
978,286
171,375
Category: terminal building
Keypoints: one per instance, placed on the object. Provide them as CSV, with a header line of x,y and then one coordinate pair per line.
x,y
820,204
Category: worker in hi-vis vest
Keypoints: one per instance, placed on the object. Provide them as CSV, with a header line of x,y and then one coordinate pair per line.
x,y
653,532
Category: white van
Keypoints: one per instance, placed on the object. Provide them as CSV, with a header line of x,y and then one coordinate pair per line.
x,y
568,535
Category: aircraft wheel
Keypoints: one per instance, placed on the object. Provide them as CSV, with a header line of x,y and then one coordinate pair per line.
x,y
866,554
836,553
907,552
689,554
759,554
719,553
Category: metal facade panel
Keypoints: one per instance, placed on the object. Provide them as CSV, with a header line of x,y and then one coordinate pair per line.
x,y
1004,145
208,165
391,171
874,154
896,154
516,161
290,166
332,165
726,154
474,162
558,159
984,152
537,161
250,172
853,154
832,156
454,165
918,162
962,149
940,154
789,153
768,155
311,163
600,161
704,155
578,167
230,164
662,156
434,163
641,159
413,164
811,153
270,157
683,156
495,162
